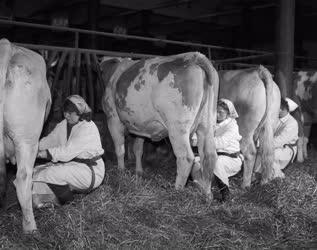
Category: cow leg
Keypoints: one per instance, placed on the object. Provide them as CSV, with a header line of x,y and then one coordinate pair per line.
x,y
305,143
138,152
184,156
249,153
203,174
116,129
25,155
300,151
307,128
3,181
129,148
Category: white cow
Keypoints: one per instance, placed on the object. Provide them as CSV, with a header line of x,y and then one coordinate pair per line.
x,y
25,102
159,97
257,99
305,94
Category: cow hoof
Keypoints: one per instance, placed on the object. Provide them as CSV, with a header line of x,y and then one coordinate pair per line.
x,y
209,197
121,169
245,188
300,159
139,173
179,187
35,233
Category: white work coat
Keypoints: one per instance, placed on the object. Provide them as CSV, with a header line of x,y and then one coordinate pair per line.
x,y
227,139
84,143
285,138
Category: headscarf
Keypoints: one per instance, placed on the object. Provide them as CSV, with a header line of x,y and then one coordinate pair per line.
x,y
84,111
291,104
232,110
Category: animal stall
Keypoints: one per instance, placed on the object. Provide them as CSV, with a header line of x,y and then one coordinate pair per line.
x,y
75,70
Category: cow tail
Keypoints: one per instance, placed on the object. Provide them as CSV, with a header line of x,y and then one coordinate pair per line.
x,y
263,135
209,149
5,54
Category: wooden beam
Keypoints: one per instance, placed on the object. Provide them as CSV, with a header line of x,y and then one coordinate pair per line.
x,y
59,5
128,12
108,34
242,58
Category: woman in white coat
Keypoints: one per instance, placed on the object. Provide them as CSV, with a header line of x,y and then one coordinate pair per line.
x,y
227,139
74,150
285,137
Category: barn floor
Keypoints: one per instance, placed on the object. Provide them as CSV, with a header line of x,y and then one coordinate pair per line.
x,y
130,213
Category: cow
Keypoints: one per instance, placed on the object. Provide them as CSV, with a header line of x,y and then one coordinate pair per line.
x,y
257,100
163,96
305,94
24,104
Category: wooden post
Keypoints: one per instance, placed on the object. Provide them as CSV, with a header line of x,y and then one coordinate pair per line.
x,y
285,46
78,58
69,80
90,85
57,74
78,63
99,83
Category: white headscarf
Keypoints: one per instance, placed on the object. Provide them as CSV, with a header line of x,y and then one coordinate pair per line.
x,y
291,104
232,110
80,104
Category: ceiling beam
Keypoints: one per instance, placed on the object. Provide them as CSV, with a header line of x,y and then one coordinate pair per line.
x,y
221,13
127,12
58,5
187,26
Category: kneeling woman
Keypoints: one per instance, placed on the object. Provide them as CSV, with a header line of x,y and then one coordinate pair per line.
x,y
74,149
227,139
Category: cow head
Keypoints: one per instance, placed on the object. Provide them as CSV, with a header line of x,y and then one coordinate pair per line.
x,y
306,92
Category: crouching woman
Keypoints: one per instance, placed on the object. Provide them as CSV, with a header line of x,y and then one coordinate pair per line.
x,y
74,150
227,139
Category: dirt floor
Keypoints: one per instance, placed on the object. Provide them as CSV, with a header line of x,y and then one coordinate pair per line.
x,y
132,213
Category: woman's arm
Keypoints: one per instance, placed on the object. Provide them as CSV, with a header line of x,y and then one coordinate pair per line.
x,y
230,136
51,140
288,135
84,139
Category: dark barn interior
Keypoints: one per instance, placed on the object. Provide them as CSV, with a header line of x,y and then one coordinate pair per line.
x,y
131,212
247,24
232,33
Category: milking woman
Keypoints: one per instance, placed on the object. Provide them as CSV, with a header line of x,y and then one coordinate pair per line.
x,y
227,139
74,150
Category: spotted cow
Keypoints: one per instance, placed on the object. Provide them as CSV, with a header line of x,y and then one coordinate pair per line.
x,y
257,100
24,103
305,94
163,96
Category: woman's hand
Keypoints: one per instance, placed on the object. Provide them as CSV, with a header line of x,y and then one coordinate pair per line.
x,y
42,154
